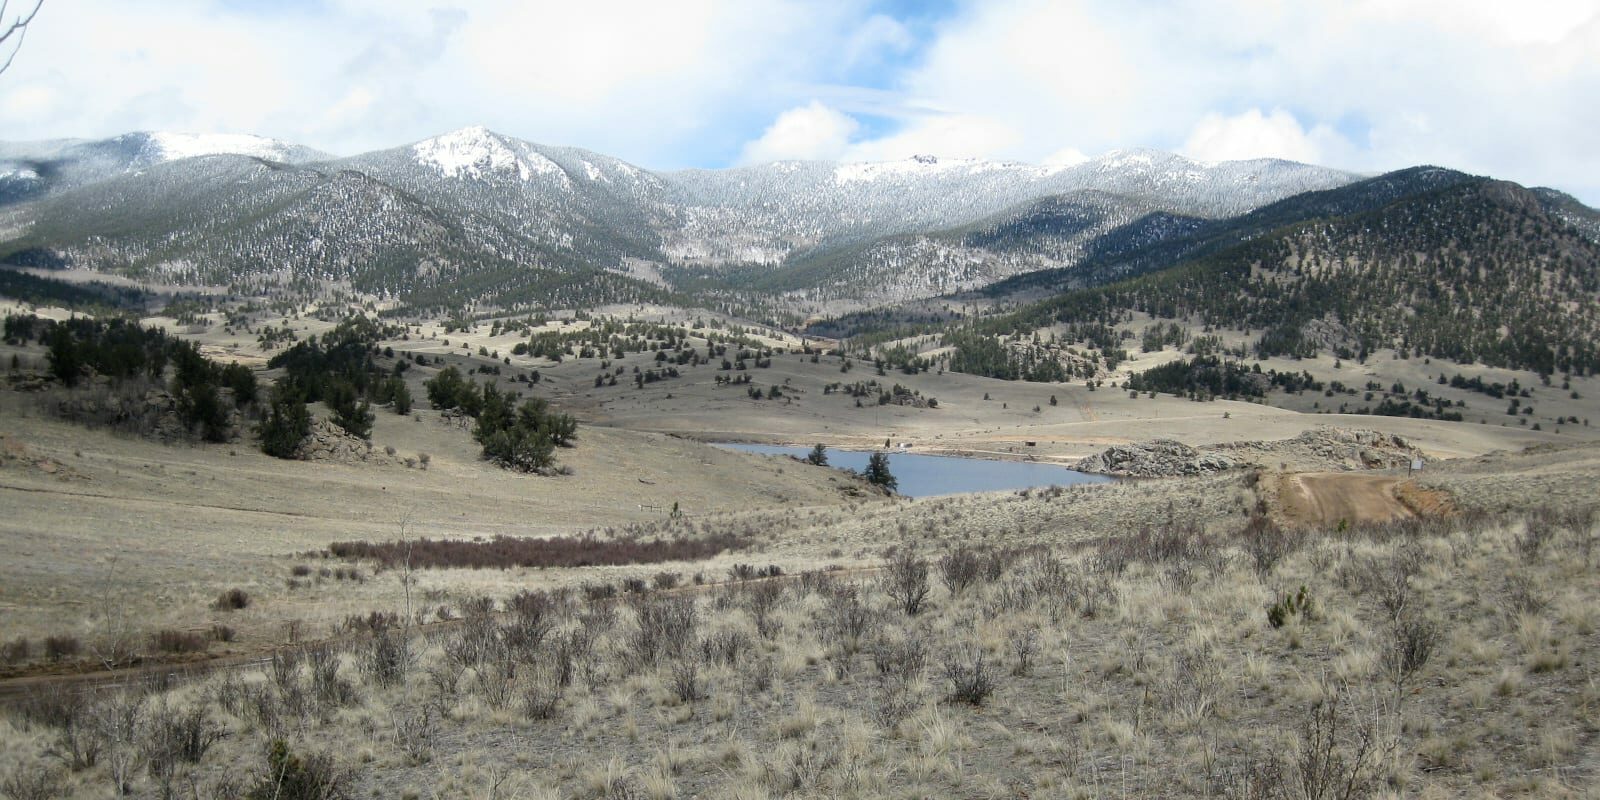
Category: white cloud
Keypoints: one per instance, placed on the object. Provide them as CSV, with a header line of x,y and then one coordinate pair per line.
x,y
1480,85
30,101
878,36
1033,70
945,135
1254,135
1538,23
813,132
658,83
1371,85
1066,157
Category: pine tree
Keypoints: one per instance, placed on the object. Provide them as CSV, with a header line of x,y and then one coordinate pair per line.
x,y
818,456
286,424
66,362
878,472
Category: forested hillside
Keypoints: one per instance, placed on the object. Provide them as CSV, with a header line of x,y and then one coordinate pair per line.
x,y
1479,271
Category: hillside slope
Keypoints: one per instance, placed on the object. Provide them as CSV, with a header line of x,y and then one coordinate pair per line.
x,y
1476,271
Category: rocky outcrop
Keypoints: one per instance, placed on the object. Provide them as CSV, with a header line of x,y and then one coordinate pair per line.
x,y
14,453
140,407
329,442
1328,448
1325,448
1162,458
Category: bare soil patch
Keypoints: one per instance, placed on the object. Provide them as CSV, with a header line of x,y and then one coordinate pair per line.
x,y
1332,498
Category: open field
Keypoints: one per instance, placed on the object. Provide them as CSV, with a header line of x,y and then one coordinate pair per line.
x,y
1436,659
158,531
1121,631
1080,422
100,521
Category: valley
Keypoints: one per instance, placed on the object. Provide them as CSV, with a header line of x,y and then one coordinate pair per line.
x,y
405,460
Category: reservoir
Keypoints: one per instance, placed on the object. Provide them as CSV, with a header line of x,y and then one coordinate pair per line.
x,y
926,476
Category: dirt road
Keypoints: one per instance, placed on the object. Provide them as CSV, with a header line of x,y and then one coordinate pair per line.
x,y
1326,498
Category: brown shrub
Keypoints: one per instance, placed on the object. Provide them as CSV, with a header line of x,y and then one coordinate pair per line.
x,y
176,641
505,552
58,648
232,600
905,578
970,675
15,651
959,569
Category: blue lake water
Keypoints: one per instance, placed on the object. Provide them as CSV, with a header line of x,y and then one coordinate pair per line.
x,y
925,476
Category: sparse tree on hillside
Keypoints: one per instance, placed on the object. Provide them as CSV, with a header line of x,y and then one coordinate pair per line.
x,y
350,411
878,472
286,424
400,395
818,456
445,390
242,381
66,363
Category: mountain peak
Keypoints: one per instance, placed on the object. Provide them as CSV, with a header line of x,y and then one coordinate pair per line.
x,y
477,152
917,165
1140,157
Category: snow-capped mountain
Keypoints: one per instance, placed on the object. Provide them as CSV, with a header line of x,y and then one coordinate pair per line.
x,y
29,170
768,213
238,208
478,152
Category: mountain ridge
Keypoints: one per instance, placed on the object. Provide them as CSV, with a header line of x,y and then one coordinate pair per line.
x,y
473,216
126,204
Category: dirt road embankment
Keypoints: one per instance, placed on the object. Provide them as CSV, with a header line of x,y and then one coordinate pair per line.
x,y
1326,498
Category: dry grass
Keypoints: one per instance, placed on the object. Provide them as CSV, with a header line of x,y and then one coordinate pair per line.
x,y
1157,677
1124,631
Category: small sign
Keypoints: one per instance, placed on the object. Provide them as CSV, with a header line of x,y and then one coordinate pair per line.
x,y
1416,465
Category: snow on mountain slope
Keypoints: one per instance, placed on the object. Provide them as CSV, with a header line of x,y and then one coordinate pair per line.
x,y
33,170
160,146
516,200
477,152
768,213
923,166
1051,233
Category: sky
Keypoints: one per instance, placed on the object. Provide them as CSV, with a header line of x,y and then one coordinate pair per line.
x,y
1509,89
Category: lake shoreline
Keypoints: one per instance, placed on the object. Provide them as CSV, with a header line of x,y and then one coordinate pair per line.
x,y
924,474
917,448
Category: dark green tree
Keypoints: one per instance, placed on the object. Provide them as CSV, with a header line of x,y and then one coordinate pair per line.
x,y
399,395
66,362
521,437
200,405
446,389
242,381
350,411
818,456
286,424
290,777
878,472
